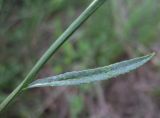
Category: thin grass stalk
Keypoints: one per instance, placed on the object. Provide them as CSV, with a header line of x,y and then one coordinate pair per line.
x,y
52,49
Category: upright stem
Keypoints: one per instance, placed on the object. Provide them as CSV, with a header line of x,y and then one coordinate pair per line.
x,y
52,49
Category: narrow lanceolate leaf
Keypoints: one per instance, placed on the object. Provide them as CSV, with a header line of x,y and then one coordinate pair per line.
x,y
92,75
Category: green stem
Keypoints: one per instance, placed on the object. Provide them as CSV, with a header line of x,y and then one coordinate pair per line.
x,y
52,49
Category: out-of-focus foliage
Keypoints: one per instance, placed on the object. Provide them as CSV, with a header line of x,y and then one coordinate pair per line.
x,y
27,27
76,105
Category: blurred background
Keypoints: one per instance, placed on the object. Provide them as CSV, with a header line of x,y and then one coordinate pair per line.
x,y
119,30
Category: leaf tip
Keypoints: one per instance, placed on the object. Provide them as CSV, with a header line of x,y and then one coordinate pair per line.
x,y
151,55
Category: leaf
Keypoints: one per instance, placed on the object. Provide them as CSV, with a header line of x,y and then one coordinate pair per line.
x,y
92,75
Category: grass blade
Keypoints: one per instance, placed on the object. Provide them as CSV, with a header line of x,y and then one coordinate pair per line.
x,y
92,75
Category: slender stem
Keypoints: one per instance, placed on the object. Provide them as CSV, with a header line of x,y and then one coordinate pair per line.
x,y
52,49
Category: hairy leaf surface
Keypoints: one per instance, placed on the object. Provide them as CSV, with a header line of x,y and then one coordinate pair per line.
x,y
92,75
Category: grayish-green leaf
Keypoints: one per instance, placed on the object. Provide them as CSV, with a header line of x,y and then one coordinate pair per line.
x,y
92,75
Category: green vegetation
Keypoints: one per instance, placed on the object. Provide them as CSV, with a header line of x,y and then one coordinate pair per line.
x,y
25,33
51,50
